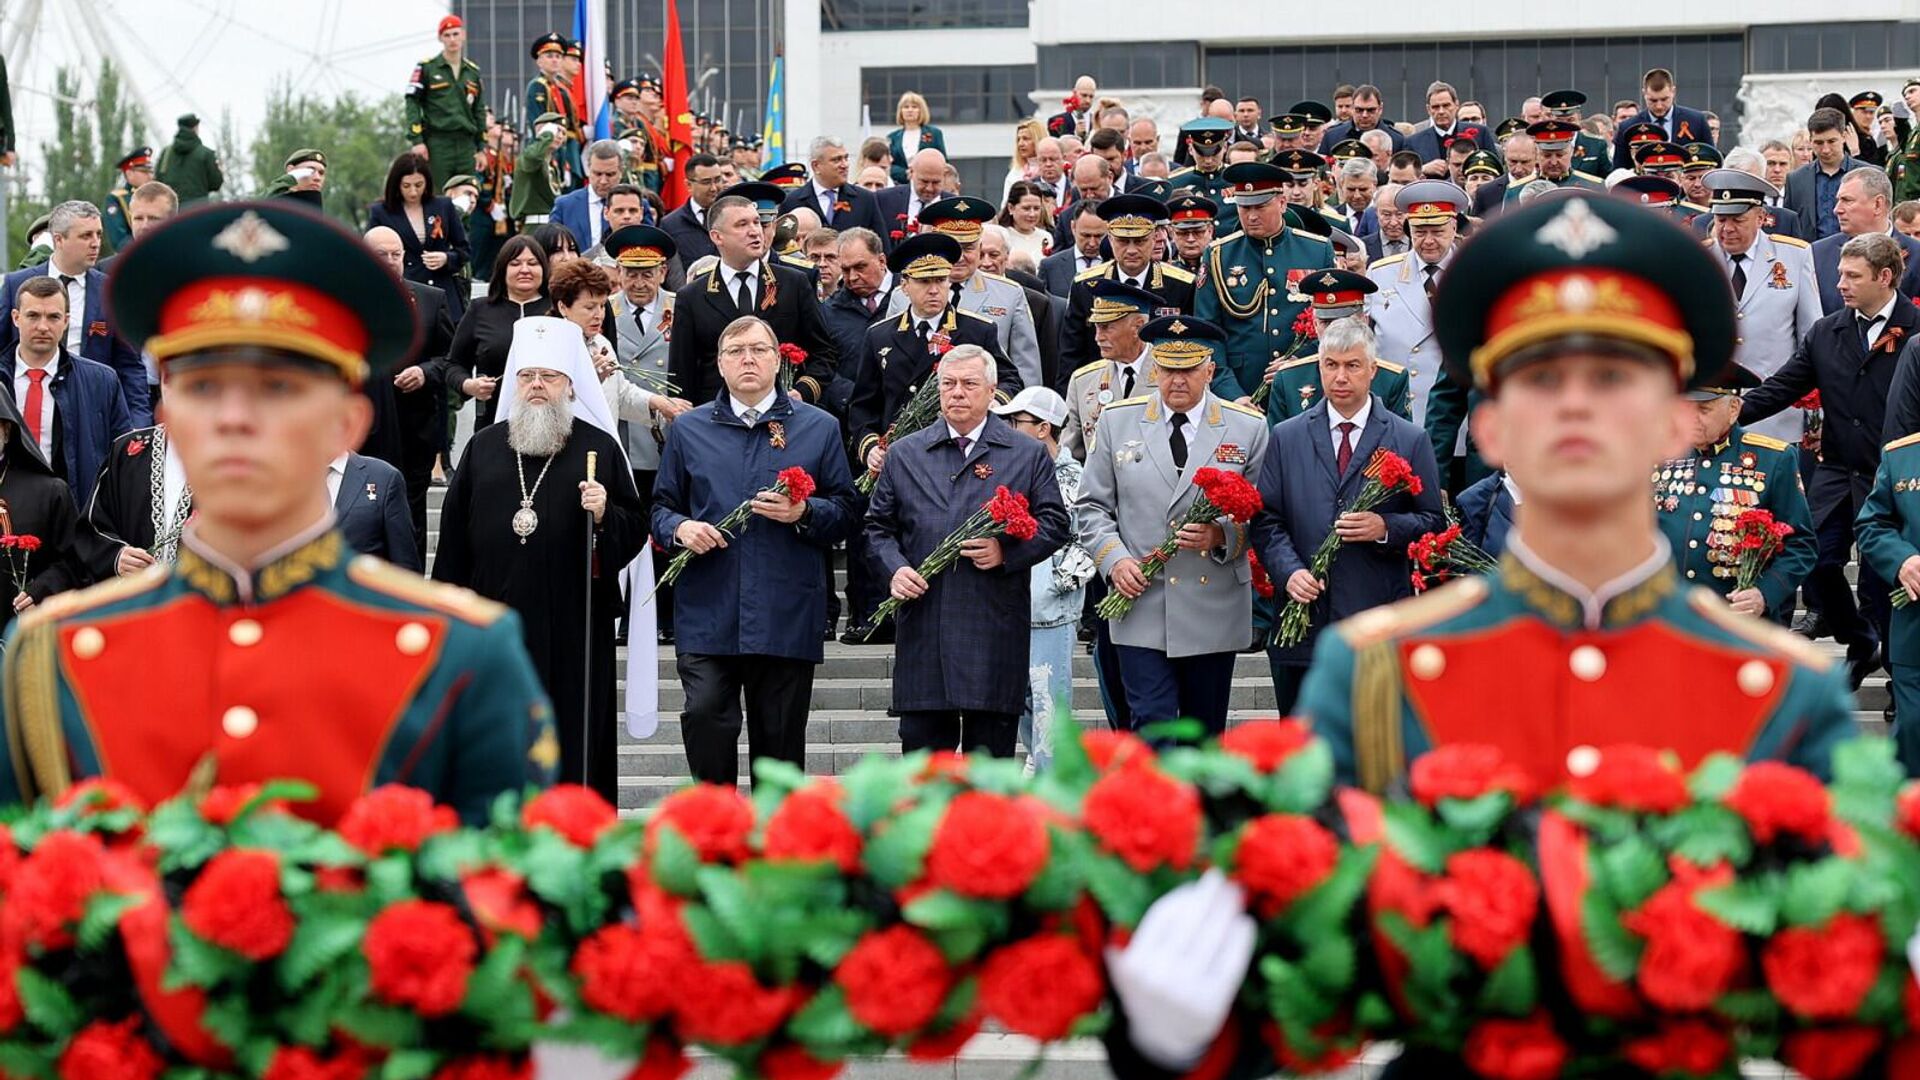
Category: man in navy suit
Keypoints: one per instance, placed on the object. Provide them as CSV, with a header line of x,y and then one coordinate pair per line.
x,y
841,205
1682,125
72,407
1086,229
370,509
1315,465
1443,107
1368,115
1864,207
584,210
688,222
1813,188
900,205
76,230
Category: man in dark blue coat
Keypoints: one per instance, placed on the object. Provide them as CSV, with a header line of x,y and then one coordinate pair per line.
x,y
1679,123
861,298
370,510
749,607
73,406
75,230
1315,467
960,671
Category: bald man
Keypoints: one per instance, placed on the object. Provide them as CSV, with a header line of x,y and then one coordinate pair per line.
x,y
900,205
1093,179
409,418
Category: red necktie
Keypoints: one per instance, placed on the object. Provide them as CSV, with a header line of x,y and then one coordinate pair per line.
x,y
36,399
1345,457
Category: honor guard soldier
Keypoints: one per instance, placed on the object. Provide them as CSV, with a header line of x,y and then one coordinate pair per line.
x,y
1583,320
1555,140
549,92
1253,291
269,650
1206,140
1192,225
1177,647
116,213
1776,300
1133,235
1336,294
1888,531
1727,471
447,105
540,173
1591,154
1119,313
998,298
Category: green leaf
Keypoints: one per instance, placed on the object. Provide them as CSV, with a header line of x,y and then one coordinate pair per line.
x,y
1756,1008
1326,908
1749,906
715,941
943,909
1330,964
827,936
961,944
1868,764
825,1024
676,866
872,789
1122,894
1416,838
896,854
390,879
102,918
1304,781
1715,777
1705,835
289,791
960,1000
381,1025
1616,950
726,896
496,979
308,1015
1512,989
322,938
28,1060
409,1065
1477,817
47,1004
182,836
199,963
613,1037
1816,891
1884,1004
556,870
1631,870
1060,881
1071,766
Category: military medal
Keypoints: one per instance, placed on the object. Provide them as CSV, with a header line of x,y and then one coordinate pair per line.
x,y
1105,397
524,519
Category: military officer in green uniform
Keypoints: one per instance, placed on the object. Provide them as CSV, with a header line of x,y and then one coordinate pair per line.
x,y
447,105
549,92
116,213
1192,224
265,320
1207,143
1591,154
189,166
1727,471
1888,532
1903,162
1253,288
1698,159
39,238
1336,294
304,177
1290,132
538,173
1555,139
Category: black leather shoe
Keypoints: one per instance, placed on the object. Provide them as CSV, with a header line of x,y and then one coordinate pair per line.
x,y
1863,662
1812,626
666,636
857,634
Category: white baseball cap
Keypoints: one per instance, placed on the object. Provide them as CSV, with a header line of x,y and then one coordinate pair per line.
x,y
1036,401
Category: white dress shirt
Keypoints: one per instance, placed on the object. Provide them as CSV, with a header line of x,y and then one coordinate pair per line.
x,y
740,407
76,306
823,200
730,281
43,438
973,447
173,484
336,475
1358,420
595,207
1873,332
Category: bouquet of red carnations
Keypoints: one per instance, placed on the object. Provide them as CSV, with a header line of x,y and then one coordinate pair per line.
x,y
18,549
1005,514
1222,494
1305,332
1441,556
794,482
792,359
1757,538
1388,474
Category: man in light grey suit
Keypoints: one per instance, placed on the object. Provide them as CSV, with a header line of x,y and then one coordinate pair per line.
x,y
1001,299
370,510
1776,298
643,317
1177,646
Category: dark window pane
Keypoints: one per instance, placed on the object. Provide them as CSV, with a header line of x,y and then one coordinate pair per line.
x,y
920,14
965,95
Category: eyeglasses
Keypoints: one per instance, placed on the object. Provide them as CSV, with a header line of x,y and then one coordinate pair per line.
x,y
735,352
529,376
708,182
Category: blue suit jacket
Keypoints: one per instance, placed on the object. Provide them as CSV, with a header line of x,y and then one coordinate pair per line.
x,y
571,210
860,209
1826,268
689,236
1799,196
1341,130
1058,271
1301,495
1426,141
892,202
1486,513
1689,126
97,342
90,411
371,512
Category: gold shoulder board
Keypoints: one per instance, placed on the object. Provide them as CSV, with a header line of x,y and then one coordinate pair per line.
x,y
463,604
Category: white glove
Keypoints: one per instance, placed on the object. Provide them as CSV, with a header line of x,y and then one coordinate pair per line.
x,y
1177,978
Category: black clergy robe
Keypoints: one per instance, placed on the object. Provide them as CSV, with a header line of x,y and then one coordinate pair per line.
x,y
544,579
120,513
36,503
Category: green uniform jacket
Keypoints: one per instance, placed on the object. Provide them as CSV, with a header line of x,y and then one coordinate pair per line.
x,y
444,106
1296,387
189,167
532,191
1903,168
1449,407
1592,155
1512,660
1888,530
1214,186
1252,292
321,666
1575,179
116,217
1698,497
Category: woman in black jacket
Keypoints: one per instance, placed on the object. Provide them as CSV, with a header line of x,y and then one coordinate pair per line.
x,y
480,343
429,227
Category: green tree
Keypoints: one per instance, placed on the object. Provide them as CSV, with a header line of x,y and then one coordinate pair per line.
x,y
91,133
360,138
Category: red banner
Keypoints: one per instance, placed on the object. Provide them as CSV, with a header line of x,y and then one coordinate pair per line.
x,y
673,91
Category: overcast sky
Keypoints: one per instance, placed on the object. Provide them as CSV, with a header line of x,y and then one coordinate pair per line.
x,y
205,55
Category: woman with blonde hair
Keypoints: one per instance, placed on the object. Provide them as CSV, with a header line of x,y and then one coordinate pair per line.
x,y
1026,142
914,133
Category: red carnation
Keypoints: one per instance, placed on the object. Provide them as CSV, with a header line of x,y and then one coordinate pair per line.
x,y
419,954
1492,898
716,819
1145,817
394,818
500,904
11,1012
1282,857
1516,1049
798,483
1907,815
895,980
1686,1047
1262,581
306,1063
662,1060
51,888
1466,771
1830,1053
236,904
1825,974
223,804
725,1005
1776,798
1230,492
1392,471
1811,400
1267,743
9,859
793,354
809,825
1634,778
575,812
1691,958
1041,986
986,847
110,1051
630,972
1109,750
1009,508
96,795
792,1062
487,1067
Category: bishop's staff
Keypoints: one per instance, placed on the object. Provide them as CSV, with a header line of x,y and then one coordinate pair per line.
x,y
586,667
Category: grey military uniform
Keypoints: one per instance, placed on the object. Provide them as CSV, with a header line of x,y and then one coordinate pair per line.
x,y
1780,304
648,352
1130,492
1092,388
1403,323
1005,302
